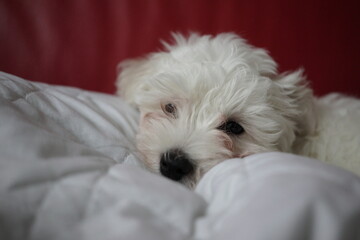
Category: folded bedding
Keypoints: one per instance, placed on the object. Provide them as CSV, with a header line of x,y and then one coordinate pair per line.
x,y
69,170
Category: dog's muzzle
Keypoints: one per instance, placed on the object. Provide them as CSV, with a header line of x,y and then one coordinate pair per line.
x,y
175,165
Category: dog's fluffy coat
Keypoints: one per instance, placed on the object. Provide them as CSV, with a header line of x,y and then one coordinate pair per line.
x,y
214,79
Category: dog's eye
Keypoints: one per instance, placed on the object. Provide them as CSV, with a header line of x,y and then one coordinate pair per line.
x,y
169,109
231,127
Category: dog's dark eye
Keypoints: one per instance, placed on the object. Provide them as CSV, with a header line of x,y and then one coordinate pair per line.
x,y
169,109
231,127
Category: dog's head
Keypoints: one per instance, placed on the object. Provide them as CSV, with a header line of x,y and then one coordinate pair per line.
x,y
210,98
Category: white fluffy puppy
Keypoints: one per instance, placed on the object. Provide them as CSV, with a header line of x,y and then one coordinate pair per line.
x,y
207,98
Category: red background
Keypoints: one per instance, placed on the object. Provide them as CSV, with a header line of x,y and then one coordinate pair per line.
x,y
79,42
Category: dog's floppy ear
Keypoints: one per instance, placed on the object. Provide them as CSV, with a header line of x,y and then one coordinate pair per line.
x,y
298,100
262,62
257,58
131,76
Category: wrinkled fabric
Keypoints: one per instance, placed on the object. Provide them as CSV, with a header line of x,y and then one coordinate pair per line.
x,y
69,170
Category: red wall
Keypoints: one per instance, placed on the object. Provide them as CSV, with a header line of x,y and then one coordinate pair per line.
x,y
80,42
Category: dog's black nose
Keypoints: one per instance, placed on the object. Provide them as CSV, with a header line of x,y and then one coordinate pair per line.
x,y
174,164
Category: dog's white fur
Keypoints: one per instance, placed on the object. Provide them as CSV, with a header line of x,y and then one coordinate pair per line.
x,y
211,79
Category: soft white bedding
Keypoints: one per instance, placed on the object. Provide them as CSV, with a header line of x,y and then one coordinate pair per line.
x,y
68,170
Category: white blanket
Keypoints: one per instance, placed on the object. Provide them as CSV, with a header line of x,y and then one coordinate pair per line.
x,y
68,170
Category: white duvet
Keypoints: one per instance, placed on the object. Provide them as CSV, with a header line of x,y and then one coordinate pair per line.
x,y
68,170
